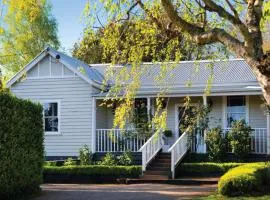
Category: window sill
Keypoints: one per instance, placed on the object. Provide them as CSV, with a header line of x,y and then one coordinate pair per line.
x,y
52,133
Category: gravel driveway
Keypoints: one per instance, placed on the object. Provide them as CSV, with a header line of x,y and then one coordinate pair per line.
x,y
123,192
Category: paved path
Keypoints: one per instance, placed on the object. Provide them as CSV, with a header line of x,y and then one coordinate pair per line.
x,y
123,192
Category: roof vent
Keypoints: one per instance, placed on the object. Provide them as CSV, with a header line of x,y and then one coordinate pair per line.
x,y
57,56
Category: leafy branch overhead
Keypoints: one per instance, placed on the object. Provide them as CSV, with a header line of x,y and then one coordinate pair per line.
x,y
237,25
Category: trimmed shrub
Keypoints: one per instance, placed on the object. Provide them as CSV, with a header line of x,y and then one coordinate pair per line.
x,y
216,144
196,157
21,146
96,170
239,137
126,159
243,180
70,162
109,160
206,168
85,156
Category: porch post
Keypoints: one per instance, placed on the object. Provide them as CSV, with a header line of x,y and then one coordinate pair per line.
x,y
94,110
205,131
268,132
149,108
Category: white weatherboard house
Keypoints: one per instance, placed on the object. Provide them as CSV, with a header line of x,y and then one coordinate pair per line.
x,y
72,115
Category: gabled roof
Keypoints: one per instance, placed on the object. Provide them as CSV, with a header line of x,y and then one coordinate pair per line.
x,y
90,75
233,75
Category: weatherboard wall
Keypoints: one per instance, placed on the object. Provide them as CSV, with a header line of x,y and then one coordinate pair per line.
x,y
75,117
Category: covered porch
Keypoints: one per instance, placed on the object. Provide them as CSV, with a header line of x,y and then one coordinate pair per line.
x,y
224,109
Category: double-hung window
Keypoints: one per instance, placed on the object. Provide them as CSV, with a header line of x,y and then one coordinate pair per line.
x,y
51,117
236,109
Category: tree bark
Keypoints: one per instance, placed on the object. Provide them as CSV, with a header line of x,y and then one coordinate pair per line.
x,y
261,69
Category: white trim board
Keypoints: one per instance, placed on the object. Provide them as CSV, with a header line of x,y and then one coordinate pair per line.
x,y
38,58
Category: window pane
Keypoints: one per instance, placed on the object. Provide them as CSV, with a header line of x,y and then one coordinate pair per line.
x,y
51,124
50,109
236,109
236,104
234,117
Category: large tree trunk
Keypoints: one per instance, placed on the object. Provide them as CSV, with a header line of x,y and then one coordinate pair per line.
x,y
261,68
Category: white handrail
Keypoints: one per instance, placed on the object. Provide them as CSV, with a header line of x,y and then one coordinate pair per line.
x,y
150,149
178,150
113,140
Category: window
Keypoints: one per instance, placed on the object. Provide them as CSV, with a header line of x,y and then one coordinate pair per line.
x,y
236,109
51,114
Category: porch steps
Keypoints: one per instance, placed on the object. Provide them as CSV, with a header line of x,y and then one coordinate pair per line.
x,y
159,168
178,181
159,171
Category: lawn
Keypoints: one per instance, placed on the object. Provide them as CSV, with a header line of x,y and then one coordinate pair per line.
x,y
220,197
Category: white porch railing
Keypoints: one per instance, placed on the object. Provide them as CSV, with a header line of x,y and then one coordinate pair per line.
x,y
178,151
150,149
115,140
258,140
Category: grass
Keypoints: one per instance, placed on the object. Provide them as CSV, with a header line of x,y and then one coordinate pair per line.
x,y
220,197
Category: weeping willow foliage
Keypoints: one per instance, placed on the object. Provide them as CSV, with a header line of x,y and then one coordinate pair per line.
x,y
131,37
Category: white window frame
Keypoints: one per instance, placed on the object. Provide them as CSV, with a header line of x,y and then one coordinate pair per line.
x,y
225,110
58,116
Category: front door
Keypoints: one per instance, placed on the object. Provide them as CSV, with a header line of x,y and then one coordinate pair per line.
x,y
185,115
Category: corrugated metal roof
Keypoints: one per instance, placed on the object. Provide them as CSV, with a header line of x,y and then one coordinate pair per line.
x,y
225,75
231,72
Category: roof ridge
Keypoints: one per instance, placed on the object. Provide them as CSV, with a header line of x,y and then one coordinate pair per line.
x,y
171,62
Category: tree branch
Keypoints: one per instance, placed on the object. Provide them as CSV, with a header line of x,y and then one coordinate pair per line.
x,y
204,37
235,20
167,29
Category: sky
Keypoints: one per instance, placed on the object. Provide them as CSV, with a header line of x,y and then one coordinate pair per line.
x,y
68,14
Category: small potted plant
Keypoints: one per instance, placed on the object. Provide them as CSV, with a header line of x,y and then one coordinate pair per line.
x,y
166,135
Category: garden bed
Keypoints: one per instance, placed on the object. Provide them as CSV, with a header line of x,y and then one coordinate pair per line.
x,y
90,174
205,168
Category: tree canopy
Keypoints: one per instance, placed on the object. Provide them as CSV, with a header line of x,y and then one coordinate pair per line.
x,y
238,25
91,48
26,28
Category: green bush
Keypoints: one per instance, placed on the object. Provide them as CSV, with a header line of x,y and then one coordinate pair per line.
x,y
85,156
216,144
243,180
239,137
126,159
206,168
109,160
96,170
51,163
21,146
70,162
167,133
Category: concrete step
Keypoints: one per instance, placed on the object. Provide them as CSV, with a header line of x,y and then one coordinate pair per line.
x,y
153,172
154,177
157,168
178,181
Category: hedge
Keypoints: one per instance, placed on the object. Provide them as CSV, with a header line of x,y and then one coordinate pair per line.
x,y
244,179
95,170
21,146
206,168
90,174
